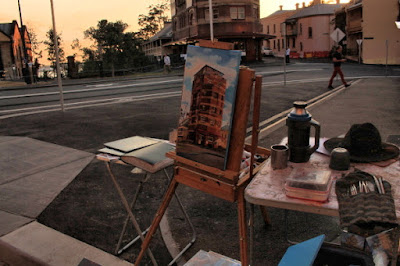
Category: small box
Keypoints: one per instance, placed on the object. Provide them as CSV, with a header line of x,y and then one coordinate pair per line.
x,y
310,184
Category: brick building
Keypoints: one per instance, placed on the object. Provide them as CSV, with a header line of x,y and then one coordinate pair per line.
x,y
12,46
236,22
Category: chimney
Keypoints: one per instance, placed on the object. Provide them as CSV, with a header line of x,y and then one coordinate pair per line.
x,y
338,2
297,6
304,4
317,2
280,7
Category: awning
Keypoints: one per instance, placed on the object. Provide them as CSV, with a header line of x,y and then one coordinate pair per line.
x,y
181,43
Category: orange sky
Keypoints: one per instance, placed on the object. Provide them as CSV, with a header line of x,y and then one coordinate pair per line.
x,y
75,16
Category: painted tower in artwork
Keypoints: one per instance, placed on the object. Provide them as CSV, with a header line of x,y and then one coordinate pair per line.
x,y
205,117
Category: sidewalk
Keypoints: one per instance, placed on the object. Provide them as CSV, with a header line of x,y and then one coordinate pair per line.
x,y
42,183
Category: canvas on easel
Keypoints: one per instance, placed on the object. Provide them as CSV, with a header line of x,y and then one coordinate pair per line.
x,y
208,99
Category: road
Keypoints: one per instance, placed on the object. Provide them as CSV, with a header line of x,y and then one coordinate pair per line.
x,y
23,101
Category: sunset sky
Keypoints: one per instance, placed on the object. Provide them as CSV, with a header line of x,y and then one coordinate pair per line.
x,y
75,16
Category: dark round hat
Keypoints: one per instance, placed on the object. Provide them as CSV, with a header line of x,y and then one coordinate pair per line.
x,y
364,144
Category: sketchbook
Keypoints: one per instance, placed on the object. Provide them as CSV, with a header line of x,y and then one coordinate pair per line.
x,y
151,158
130,144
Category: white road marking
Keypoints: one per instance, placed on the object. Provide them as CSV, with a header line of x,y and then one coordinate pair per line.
x,y
290,70
100,101
86,90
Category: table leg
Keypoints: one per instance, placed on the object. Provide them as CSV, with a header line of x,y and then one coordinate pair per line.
x,y
157,219
187,219
118,251
265,215
127,208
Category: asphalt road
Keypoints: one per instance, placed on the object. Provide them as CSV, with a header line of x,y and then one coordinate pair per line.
x,y
28,100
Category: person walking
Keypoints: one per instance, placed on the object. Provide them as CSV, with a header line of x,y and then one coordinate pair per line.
x,y
167,64
337,62
288,55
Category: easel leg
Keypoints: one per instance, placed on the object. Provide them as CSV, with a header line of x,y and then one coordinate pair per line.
x,y
251,225
135,197
157,219
241,205
128,209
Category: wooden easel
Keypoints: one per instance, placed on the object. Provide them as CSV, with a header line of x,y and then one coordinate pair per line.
x,y
224,184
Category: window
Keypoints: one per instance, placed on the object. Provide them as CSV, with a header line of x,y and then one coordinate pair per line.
x,y
279,45
267,29
274,44
237,12
294,43
309,32
207,14
301,29
274,28
191,18
301,46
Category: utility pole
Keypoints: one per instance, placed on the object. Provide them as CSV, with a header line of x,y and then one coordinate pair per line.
x,y
57,57
24,46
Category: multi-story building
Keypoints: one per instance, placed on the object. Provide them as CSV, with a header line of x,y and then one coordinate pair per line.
x,y
14,53
305,30
154,46
308,30
237,22
272,25
372,36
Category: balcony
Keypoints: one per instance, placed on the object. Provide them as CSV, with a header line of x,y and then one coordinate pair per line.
x,y
291,32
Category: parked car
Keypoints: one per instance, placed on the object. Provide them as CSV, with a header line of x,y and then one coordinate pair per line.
x,y
266,51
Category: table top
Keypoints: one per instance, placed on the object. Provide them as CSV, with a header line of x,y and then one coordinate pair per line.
x,y
267,187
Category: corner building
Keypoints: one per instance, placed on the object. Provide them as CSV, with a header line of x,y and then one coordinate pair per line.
x,y
237,22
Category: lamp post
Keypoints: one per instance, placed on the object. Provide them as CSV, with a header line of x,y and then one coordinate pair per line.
x,y
57,57
210,12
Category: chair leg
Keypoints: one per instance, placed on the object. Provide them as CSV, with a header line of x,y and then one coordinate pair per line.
x,y
188,221
129,211
157,219
119,251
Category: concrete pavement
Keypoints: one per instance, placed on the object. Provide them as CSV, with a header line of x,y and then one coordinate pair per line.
x,y
39,180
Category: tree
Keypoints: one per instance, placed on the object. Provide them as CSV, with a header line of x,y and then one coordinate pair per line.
x,y
51,50
115,47
154,20
34,42
75,45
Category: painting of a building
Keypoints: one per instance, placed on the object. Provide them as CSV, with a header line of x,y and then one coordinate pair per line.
x,y
204,126
208,97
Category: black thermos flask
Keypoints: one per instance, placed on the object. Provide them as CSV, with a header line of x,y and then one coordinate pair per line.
x,y
299,122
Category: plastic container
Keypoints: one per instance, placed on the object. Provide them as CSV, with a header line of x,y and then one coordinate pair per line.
x,y
310,184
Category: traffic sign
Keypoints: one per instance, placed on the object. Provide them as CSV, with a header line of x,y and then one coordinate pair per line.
x,y
359,41
337,35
